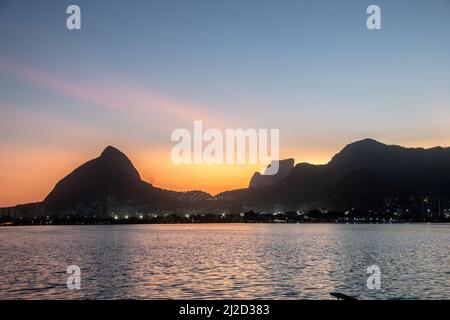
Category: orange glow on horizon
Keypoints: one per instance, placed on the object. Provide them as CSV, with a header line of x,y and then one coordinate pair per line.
x,y
29,173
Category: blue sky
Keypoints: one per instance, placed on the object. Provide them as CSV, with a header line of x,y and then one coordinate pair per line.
x,y
310,68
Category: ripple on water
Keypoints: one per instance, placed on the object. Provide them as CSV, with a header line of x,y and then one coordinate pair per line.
x,y
247,261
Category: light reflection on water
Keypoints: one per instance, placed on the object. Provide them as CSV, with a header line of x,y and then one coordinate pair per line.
x,y
225,261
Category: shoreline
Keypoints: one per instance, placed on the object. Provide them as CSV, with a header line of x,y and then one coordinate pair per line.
x,y
227,223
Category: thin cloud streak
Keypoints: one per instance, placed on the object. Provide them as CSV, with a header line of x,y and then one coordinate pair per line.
x,y
117,98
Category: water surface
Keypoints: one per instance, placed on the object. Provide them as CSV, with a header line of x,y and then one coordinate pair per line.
x,y
225,261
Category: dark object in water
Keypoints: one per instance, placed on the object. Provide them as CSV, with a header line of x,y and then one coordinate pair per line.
x,y
341,296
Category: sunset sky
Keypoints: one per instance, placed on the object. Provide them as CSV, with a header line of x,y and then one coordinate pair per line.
x,y
137,70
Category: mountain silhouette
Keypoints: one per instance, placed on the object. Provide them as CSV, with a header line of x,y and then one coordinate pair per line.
x,y
110,175
363,174
111,180
259,180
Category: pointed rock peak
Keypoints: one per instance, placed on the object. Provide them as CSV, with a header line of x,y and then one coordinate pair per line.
x,y
110,151
110,175
286,164
284,169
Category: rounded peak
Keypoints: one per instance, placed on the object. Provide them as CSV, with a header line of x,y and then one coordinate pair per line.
x,y
358,153
365,145
367,141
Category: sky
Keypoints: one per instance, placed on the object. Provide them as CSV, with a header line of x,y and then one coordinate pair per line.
x,y
137,70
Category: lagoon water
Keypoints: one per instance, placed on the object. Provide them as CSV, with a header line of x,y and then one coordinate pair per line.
x,y
225,261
